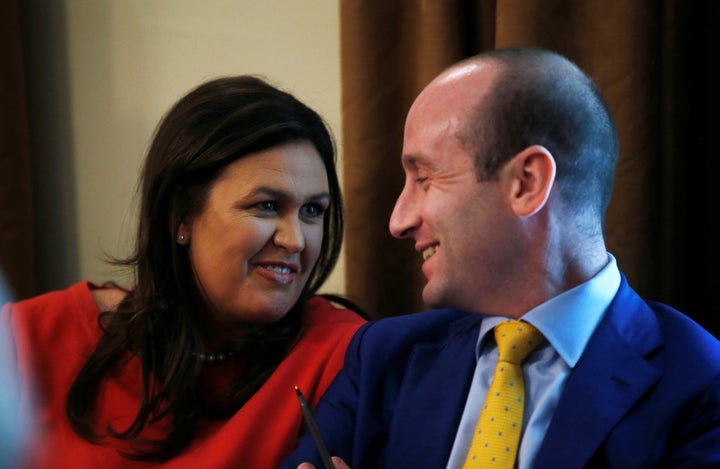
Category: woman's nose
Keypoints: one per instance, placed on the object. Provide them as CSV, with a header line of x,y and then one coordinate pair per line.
x,y
289,235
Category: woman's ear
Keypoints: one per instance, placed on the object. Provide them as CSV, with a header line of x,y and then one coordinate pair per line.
x,y
183,234
530,175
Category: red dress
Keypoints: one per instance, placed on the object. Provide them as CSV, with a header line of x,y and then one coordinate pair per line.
x,y
54,333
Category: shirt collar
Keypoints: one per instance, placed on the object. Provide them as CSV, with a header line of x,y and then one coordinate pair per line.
x,y
567,330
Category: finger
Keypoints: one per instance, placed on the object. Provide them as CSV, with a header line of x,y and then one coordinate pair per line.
x,y
338,463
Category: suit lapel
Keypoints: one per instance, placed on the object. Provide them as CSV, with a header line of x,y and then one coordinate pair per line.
x,y
610,377
432,396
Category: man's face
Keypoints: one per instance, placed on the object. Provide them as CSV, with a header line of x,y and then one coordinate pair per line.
x,y
463,228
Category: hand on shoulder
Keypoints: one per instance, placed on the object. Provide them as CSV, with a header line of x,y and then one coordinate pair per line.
x,y
107,298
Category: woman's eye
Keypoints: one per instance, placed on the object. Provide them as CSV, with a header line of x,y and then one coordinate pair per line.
x,y
313,210
267,206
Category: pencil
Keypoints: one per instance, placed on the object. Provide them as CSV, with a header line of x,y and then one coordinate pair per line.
x,y
311,424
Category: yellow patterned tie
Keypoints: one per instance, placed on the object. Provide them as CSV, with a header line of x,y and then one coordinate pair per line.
x,y
497,434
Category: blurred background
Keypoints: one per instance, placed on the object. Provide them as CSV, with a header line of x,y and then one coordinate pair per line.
x,y
99,74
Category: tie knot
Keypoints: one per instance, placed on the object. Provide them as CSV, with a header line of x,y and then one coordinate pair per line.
x,y
515,340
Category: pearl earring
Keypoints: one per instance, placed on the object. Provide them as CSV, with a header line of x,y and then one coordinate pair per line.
x,y
181,238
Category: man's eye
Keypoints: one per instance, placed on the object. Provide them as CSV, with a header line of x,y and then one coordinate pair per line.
x,y
423,183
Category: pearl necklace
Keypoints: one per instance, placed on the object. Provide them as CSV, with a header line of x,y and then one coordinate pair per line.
x,y
217,357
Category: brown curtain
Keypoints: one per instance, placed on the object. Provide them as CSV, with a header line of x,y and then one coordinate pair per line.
x,y
16,212
655,61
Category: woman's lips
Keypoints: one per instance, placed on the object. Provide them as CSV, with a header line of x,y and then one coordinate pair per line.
x,y
281,273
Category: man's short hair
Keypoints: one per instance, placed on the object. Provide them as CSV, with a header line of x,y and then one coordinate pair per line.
x,y
541,98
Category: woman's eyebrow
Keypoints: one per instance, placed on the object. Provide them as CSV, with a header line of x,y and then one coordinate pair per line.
x,y
281,194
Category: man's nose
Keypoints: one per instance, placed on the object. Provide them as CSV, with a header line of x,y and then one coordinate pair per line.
x,y
404,218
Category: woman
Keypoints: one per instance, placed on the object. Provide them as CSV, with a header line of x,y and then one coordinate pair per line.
x,y
195,366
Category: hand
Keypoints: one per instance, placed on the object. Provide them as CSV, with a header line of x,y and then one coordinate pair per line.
x,y
337,462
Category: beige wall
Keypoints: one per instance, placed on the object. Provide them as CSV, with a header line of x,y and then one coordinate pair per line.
x,y
102,73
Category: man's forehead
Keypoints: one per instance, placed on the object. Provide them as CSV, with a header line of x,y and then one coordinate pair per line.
x,y
457,90
472,71
460,72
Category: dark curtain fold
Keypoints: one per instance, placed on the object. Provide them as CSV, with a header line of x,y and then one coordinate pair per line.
x,y
16,211
657,65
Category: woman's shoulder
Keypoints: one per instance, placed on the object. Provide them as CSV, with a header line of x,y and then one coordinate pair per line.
x,y
317,356
64,308
55,319
320,310
74,296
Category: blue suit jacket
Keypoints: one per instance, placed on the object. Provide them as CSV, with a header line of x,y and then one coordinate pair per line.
x,y
645,393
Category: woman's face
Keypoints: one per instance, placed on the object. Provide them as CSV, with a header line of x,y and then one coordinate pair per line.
x,y
254,244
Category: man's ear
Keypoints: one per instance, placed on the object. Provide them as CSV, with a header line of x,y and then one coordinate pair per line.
x,y
530,176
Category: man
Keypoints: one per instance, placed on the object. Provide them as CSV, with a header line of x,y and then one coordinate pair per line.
x,y
509,159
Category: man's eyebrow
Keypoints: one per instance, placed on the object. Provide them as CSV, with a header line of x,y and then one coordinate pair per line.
x,y
414,161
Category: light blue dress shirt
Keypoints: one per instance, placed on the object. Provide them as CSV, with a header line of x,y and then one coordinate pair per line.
x,y
567,322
